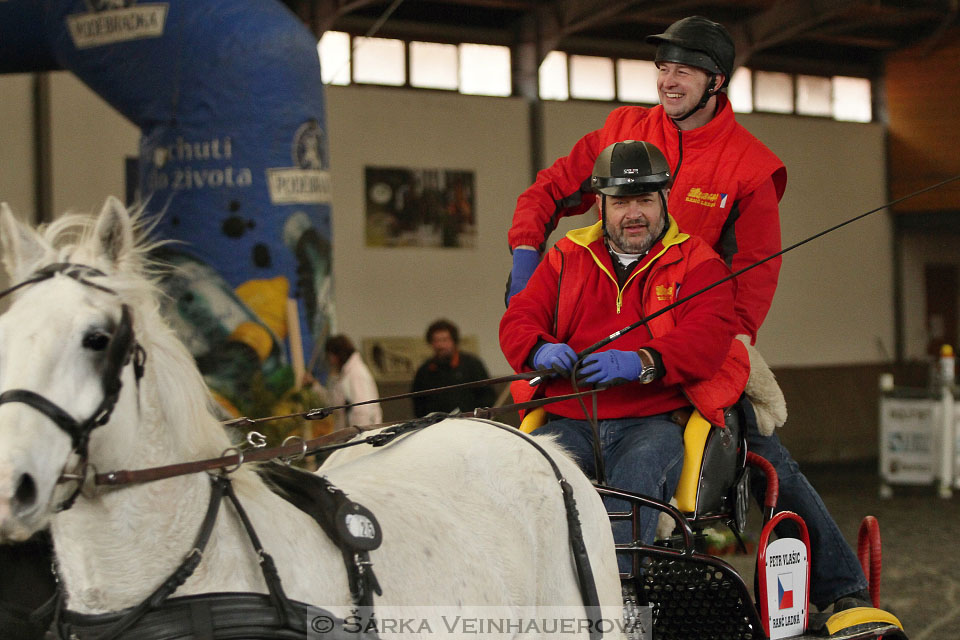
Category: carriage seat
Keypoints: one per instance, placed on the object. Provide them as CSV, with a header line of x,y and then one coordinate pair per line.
x,y
713,463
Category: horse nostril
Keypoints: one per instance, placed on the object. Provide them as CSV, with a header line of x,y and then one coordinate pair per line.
x,y
26,493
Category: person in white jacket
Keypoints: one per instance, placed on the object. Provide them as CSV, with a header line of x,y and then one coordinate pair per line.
x,y
350,381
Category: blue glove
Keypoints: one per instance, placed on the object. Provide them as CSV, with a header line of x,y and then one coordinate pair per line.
x,y
559,357
525,262
604,367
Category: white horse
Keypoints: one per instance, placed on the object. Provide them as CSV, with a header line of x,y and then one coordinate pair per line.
x,y
472,516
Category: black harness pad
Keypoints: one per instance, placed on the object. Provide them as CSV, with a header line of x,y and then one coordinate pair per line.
x,y
348,524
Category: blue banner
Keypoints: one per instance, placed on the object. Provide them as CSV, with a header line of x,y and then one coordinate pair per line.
x,y
234,155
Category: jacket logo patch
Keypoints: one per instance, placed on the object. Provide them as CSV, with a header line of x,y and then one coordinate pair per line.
x,y
697,196
664,293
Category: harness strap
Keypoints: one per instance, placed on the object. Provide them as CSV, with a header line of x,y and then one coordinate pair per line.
x,y
598,463
392,433
177,578
219,616
279,599
60,417
79,272
119,351
585,578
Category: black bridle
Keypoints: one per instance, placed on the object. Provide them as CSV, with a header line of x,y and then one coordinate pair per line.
x,y
120,350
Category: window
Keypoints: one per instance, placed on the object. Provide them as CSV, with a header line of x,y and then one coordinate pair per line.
x,y
433,65
773,91
553,77
851,99
591,77
485,70
740,90
379,61
814,96
334,50
637,81
477,69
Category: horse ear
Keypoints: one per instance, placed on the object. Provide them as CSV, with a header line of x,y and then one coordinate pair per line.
x,y
114,231
20,244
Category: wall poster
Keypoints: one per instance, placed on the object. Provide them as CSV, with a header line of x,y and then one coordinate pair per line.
x,y
420,208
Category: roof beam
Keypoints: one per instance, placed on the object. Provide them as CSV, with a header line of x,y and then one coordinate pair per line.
x,y
625,11
548,24
414,30
861,42
784,21
577,15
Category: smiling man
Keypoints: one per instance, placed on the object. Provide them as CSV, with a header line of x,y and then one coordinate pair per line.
x,y
726,184
725,188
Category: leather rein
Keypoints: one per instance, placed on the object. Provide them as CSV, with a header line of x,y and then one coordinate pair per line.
x,y
123,348
298,448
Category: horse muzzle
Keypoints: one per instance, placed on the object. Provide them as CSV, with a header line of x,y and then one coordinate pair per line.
x,y
22,511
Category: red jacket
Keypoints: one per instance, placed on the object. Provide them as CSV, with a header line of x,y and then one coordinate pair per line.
x,y
727,186
573,297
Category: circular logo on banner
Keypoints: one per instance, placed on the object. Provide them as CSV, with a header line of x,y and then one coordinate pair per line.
x,y
308,152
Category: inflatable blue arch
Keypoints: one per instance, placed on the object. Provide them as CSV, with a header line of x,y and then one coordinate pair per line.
x,y
233,155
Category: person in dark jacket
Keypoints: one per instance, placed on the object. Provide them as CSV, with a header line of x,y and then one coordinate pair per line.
x,y
449,366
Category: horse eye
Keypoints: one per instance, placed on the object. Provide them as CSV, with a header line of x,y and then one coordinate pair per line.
x,y
96,341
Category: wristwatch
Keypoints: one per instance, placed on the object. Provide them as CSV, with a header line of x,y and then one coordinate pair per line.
x,y
649,371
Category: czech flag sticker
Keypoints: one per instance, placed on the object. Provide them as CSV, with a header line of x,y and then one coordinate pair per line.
x,y
785,591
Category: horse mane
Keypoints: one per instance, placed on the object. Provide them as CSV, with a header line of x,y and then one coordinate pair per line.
x,y
184,402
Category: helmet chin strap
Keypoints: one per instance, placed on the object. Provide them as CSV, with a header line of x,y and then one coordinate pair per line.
x,y
603,215
703,100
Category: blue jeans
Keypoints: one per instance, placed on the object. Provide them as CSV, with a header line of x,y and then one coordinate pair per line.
x,y
641,455
834,568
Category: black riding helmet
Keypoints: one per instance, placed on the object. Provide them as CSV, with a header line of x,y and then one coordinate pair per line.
x,y
629,168
698,42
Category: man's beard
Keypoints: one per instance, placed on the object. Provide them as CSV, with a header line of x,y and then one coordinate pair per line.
x,y
637,245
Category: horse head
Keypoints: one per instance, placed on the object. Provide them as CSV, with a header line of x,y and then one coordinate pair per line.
x,y
69,358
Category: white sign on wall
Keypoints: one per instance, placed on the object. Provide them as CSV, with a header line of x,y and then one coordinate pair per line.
x,y
911,440
907,440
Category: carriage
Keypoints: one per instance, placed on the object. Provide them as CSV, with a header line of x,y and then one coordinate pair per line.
x,y
507,533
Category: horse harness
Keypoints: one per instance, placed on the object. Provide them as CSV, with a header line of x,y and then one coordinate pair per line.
x,y
120,350
271,616
350,526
